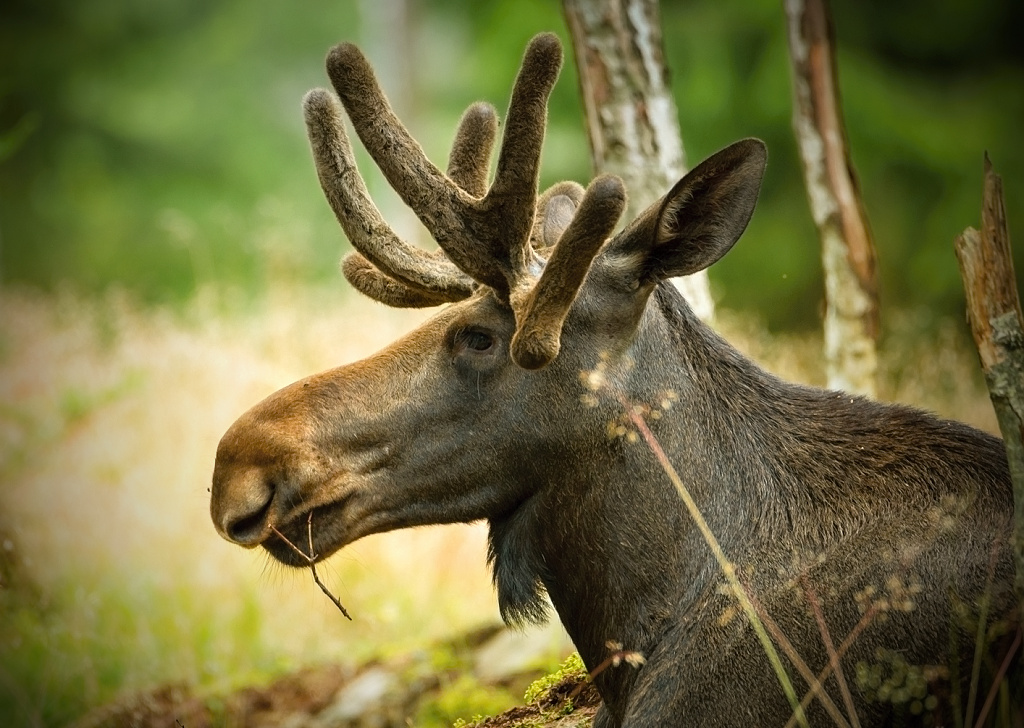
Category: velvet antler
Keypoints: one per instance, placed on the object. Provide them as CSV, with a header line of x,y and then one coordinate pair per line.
x,y
485,236
434,279
542,312
489,235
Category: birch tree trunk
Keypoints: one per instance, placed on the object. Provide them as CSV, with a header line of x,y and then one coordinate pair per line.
x,y
631,117
848,254
994,312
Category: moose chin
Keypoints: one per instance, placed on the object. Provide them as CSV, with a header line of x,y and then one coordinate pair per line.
x,y
517,403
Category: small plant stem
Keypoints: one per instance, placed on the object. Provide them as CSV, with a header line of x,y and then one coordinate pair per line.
x,y
844,647
617,656
815,686
979,640
728,568
998,679
311,560
833,658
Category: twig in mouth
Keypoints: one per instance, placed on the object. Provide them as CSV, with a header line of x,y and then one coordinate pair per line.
x,y
311,560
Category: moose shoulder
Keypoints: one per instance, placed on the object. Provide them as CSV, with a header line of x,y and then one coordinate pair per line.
x,y
510,405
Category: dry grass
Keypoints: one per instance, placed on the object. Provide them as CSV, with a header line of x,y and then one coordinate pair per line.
x,y
924,362
109,423
109,419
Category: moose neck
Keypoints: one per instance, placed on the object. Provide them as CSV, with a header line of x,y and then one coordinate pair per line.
x,y
607,534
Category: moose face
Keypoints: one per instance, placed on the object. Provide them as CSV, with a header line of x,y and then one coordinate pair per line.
x,y
467,416
405,437
442,426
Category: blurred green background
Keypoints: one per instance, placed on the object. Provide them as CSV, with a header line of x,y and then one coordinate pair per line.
x,y
153,159
158,144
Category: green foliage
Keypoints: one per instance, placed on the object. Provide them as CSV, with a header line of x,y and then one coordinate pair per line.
x,y
572,667
166,148
160,145
464,696
77,404
64,652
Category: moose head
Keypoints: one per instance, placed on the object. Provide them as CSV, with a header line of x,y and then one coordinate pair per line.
x,y
508,405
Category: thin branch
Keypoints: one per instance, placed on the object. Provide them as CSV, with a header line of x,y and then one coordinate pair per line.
x,y
635,659
979,640
728,568
311,560
994,690
844,647
815,685
833,657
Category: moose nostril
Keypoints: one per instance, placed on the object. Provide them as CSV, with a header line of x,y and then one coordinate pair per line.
x,y
248,530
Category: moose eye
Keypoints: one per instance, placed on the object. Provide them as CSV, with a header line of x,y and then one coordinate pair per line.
x,y
473,339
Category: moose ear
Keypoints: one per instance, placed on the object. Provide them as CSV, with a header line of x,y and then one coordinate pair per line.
x,y
555,210
701,218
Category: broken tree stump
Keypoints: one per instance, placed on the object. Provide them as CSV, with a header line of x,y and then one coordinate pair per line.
x,y
994,313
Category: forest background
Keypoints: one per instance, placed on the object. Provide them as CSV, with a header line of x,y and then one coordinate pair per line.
x,y
167,259
159,145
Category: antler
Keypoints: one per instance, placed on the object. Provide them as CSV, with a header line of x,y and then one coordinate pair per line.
x,y
435,280
540,316
484,233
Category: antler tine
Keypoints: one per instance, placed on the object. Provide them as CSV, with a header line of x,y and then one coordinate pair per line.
x,y
368,279
469,160
537,337
438,202
514,192
359,217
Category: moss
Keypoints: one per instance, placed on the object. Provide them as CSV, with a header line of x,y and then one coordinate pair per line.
x,y
547,701
539,689
464,696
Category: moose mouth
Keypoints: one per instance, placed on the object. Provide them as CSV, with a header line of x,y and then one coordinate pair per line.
x,y
306,537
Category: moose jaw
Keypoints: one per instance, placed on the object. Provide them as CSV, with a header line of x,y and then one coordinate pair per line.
x,y
508,405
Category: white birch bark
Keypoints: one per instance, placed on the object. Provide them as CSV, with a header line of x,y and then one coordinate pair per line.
x,y
631,117
848,256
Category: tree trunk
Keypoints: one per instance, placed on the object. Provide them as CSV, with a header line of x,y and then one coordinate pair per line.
x,y
631,117
993,310
848,255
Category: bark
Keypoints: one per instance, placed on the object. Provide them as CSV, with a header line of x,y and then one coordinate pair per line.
x,y
631,117
848,254
994,312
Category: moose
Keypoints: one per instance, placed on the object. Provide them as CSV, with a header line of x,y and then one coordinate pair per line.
x,y
842,517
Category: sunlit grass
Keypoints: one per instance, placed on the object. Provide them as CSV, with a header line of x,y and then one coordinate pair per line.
x,y
113,578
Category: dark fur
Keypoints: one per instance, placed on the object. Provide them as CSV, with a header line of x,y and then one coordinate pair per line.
x,y
802,487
